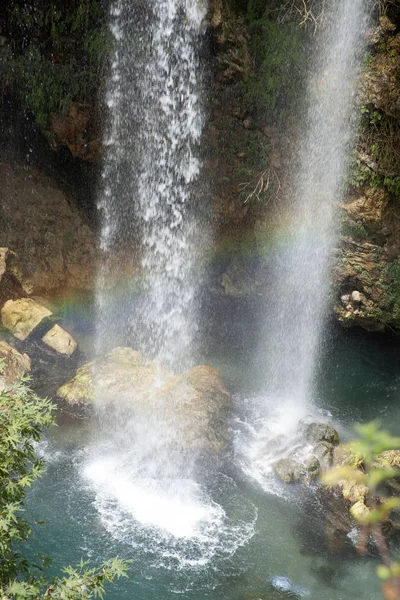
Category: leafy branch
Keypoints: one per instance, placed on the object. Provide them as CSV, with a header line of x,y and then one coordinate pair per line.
x,y
372,442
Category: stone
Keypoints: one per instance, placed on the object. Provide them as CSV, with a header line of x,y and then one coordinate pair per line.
x,y
290,470
60,340
15,364
313,467
355,296
359,511
4,253
196,402
315,432
324,452
22,316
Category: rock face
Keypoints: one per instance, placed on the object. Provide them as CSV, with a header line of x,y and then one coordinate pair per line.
x,y
55,246
368,262
60,340
196,402
78,130
22,316
10,285
14,365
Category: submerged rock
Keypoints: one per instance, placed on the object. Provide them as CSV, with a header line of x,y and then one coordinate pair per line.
x,y
15,365
196,403
60,340
22,316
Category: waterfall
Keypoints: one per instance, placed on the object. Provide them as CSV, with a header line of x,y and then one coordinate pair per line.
x,y
301,274
300,281
146,291
150,202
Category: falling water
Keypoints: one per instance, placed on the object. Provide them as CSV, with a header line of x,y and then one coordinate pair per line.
x,y
146,289
151,203
299,285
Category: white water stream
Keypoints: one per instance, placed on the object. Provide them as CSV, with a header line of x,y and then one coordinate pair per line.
x,y
151,201
301,274
151,196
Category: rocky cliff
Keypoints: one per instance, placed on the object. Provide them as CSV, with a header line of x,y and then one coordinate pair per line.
x,y
257,52
367,266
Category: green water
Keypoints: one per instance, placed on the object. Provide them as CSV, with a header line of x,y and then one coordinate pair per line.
x,y
263,544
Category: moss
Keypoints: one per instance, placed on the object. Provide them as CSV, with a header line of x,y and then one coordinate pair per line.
x,y
392,184
279,59
57,53
353,229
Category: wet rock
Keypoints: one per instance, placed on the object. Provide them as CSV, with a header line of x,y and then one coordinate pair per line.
x,y
15,364
294,470
324,452
313,467
337,522
289,470
22,316
315,432
60,340
195,402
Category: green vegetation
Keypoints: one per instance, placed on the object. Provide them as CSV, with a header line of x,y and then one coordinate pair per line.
x,y
379,139
278,52
56,54
353,229
374,469
22,417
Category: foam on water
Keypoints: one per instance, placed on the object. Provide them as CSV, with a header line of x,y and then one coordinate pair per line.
x,y
174,521
176,506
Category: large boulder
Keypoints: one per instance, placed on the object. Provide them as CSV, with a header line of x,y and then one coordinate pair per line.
x,y
22,316
14,366
195,403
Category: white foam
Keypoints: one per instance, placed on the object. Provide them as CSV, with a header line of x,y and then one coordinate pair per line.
x,y
175,522
176,506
